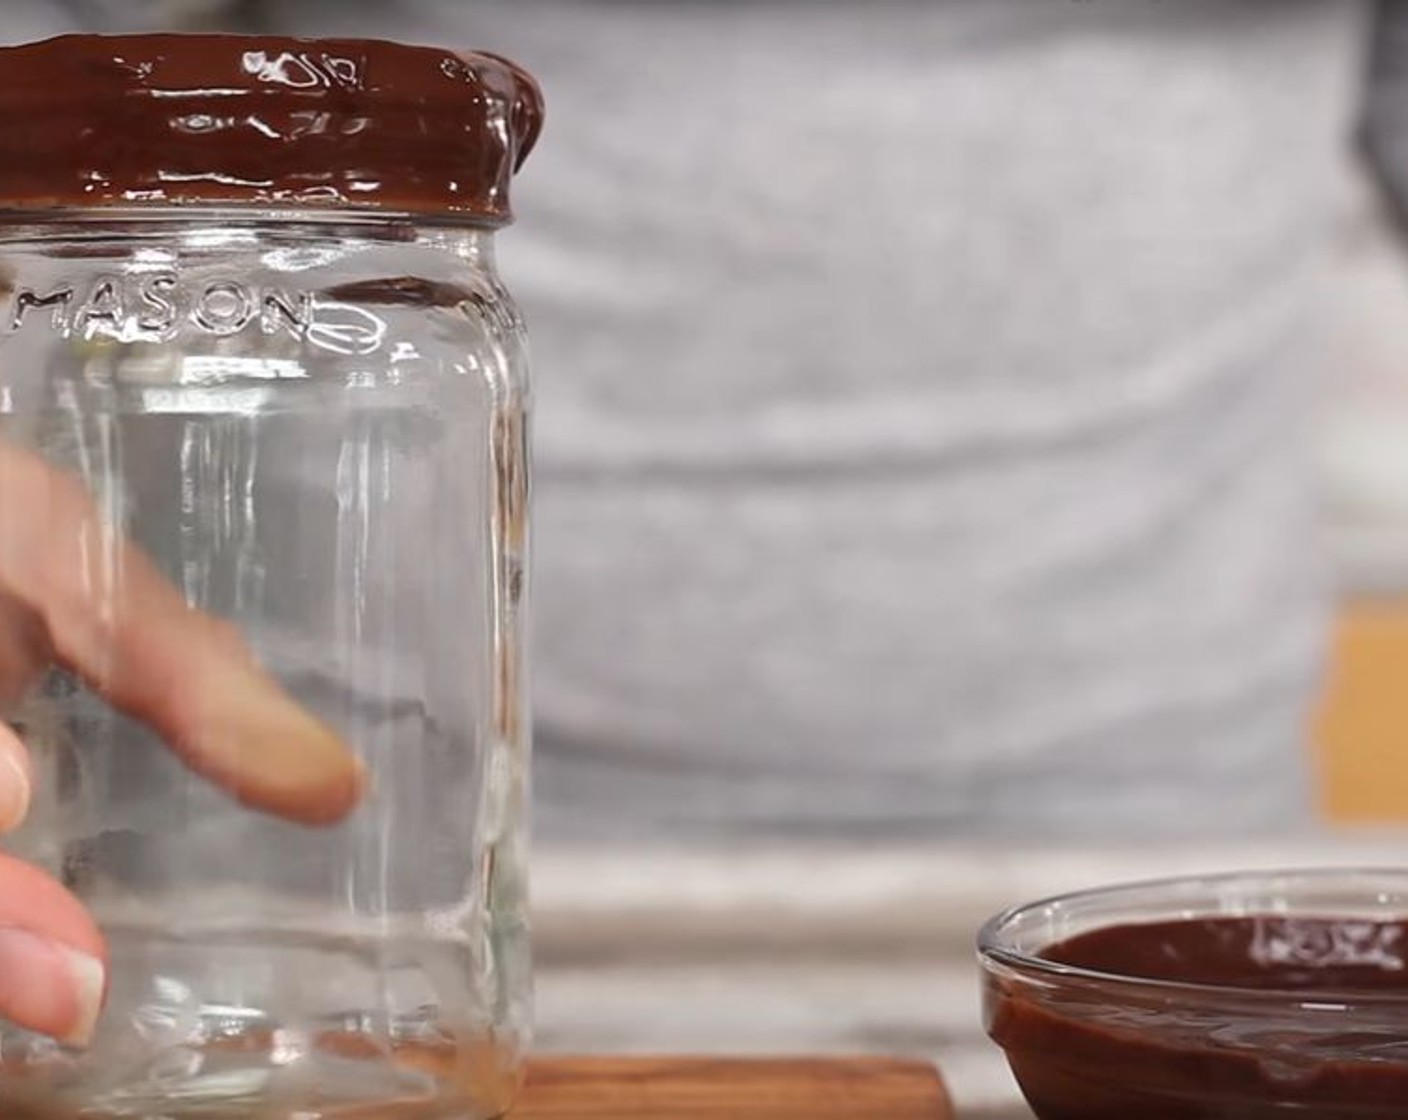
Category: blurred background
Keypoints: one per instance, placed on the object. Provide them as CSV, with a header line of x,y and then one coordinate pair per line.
x,y
973,464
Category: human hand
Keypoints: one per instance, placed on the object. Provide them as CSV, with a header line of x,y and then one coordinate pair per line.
x,y
74,594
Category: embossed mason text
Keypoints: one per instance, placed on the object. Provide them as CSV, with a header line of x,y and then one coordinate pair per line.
x,y
161,306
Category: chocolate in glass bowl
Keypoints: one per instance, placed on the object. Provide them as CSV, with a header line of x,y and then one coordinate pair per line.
x,y
1241,997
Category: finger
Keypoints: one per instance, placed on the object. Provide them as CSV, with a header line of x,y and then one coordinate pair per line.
x,y
16,781
53,965
23,652
112,618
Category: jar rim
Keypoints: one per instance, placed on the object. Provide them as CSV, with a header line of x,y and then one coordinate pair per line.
x,y
265,122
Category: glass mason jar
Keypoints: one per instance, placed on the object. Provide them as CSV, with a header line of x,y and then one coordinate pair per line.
x,y
248,302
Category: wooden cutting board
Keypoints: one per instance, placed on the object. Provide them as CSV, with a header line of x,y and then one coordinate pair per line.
x,y
726,1089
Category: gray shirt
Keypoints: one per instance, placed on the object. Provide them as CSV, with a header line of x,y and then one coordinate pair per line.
x,y
921,440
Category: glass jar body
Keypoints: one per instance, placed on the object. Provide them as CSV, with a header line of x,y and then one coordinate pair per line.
x,y
317,430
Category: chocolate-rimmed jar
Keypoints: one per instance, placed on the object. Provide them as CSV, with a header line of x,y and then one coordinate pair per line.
x,y
249,304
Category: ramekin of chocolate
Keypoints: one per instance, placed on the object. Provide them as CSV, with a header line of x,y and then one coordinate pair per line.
x,y
1256,996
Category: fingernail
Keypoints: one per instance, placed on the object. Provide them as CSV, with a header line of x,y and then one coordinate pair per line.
x,y
49,988
15,791
90,984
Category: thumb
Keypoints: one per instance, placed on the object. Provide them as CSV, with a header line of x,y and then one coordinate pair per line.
x,y
53,969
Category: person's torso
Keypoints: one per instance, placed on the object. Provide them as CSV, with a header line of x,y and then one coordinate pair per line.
x,y
918,397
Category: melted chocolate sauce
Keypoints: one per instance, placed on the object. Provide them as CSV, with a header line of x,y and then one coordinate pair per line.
x,y
142,120
1301,1017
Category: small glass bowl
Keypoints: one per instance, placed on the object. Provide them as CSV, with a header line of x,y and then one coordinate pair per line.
x,y
1087,1044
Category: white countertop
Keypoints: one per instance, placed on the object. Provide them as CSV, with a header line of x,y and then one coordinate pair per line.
x,y
822,950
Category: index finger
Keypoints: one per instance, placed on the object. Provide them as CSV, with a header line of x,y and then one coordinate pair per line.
x,y
114,620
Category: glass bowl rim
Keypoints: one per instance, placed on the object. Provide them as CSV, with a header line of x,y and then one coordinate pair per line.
x,y
1029,966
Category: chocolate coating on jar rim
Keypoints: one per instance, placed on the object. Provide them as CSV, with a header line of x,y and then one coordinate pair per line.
x,y
1298,1016
344,124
